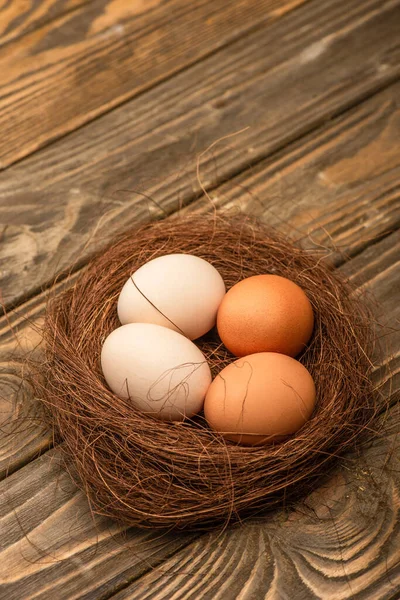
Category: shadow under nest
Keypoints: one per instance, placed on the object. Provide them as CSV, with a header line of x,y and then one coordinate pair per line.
x,y
150,473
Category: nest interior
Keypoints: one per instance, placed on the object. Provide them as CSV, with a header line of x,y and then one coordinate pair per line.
x,y
151,473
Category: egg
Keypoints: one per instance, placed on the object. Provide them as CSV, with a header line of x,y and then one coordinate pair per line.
x,y
260,398
179,291
265,313
159,370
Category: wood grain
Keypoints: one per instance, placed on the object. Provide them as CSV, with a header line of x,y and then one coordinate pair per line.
x,y
376,274
306,161
53,547
337,188
96,177
342,541
289,191
22,16
23,431
89,60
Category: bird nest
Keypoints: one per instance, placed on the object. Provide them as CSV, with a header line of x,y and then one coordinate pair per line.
x,y
151,473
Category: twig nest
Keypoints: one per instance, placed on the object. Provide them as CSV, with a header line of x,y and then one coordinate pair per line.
x,y
152,473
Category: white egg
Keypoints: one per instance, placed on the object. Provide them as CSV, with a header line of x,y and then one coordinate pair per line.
x,y
178,291
162,372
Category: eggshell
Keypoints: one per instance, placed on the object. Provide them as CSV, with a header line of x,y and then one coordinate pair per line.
x,y
260,398
162,372
179,291
265,313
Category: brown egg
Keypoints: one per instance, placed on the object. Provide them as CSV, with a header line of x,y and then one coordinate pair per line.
x,y
260,398
265,313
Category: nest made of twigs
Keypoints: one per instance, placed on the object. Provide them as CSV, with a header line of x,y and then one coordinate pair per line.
x,y
146,472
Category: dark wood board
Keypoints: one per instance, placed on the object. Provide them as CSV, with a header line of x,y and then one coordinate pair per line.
x,y
288,191
65,201
343,540
336,188
90,60
52,547
23,431
19,17
343,537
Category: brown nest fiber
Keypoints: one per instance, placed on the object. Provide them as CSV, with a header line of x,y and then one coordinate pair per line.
x,y
151,473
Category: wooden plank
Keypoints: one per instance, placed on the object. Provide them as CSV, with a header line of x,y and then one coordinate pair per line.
x,y
53,547
342,541
345,531
337,188
90,60
23,431
360,146
53,201
376,273
22,16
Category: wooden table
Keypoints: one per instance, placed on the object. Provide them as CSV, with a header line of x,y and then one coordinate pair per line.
x,y
114,112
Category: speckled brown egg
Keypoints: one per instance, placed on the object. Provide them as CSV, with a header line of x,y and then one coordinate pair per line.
x,y
265,313
259,399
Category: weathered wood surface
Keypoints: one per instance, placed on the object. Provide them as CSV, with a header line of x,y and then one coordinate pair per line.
x,y
311,87
337,188
23,432
22,16
92,59
52,547
341,541
53,201
376,273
